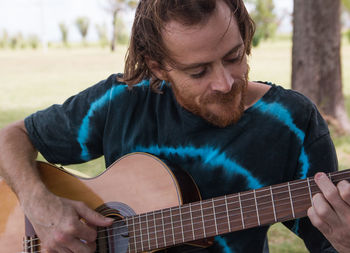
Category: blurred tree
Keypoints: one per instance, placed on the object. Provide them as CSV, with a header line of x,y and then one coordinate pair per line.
x,y
114,7
83,27
265,19
4,39
316,65
102,34
64,33
122,36
17,41
33,41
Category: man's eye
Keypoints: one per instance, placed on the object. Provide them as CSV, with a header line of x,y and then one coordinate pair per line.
x,y
199,75
233,60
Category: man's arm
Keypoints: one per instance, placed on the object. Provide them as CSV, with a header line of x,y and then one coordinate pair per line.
x,y
331,212
56,220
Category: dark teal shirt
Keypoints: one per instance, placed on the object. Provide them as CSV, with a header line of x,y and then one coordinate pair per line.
x,y
280,138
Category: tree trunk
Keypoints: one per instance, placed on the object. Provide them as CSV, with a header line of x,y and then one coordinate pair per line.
x,y
316,57
114,35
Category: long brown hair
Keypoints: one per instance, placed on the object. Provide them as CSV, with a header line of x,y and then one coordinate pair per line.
x,y
150,18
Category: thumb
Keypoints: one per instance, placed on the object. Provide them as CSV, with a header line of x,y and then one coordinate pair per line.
x,y
92,217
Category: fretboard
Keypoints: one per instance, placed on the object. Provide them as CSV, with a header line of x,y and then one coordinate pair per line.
x,y
211,217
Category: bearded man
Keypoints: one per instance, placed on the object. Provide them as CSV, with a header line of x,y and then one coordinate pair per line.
x,y
186,98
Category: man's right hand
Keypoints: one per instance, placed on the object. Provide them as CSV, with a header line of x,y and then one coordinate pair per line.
x,y
61,224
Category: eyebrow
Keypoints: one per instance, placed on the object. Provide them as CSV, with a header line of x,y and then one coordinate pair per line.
x,y
185,67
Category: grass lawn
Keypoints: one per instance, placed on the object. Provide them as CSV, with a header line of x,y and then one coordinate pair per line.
x,y
33,80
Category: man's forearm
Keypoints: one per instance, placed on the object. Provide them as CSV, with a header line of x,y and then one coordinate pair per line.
x,y
17,160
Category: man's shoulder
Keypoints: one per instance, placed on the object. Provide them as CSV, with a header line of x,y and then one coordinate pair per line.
x,y
288,97
290,105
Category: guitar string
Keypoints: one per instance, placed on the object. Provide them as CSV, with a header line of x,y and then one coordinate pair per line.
x,y
282,192
231,221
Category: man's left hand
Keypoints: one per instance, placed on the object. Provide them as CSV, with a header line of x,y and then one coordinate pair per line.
x,y
330,212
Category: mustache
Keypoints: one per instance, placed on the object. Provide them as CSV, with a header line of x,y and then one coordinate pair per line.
x,y
238,87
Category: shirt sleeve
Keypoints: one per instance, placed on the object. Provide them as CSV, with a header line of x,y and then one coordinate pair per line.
x,y
318,154
72,132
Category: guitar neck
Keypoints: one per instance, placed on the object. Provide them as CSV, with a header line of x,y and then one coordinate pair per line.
x,y
208,218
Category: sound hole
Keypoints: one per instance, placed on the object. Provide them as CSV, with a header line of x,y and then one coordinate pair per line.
x,y
114,239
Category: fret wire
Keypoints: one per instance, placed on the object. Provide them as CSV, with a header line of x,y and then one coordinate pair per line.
x,y
172,226
273,204
201,206
340,173
216,226
192,221
308,183
140,223
147,228
182,228
240,205
155,228
256,206
161,211
291,200
227,214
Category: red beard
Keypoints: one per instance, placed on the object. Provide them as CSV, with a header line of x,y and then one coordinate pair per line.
x,y
231,104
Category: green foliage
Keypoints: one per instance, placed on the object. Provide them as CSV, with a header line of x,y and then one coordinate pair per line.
x,y
33,41
114,7
265,20
82,24
64,33
122,35
346,4
17,41
4,39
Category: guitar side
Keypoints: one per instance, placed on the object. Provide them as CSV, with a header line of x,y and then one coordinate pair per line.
x,y
11,220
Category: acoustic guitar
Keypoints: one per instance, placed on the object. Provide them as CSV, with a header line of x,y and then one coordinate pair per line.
x,y
156,206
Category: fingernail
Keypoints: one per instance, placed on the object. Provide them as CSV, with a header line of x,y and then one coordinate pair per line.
x,y
320,175
109,219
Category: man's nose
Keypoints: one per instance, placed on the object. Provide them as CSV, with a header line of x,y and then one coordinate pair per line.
x,y
222,80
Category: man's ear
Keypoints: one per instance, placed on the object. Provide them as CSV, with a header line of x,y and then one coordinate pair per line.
x,y
156,69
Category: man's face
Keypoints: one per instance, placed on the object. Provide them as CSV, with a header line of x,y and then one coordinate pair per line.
x,y
210,77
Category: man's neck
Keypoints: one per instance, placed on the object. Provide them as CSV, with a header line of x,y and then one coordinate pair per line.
x,y
254,92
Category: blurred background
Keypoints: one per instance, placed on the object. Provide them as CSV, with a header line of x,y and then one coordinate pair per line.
x,y
52,49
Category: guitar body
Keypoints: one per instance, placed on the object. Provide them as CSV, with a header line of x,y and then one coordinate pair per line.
x,y
136,183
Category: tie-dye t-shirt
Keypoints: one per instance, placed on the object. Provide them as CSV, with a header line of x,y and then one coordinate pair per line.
x,y
282,137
